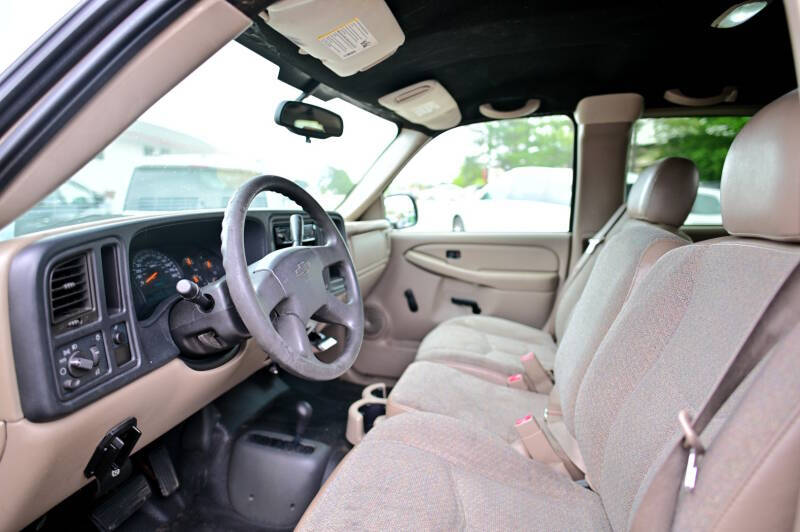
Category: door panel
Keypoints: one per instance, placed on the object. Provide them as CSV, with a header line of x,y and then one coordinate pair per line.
x,y
500,267
513,276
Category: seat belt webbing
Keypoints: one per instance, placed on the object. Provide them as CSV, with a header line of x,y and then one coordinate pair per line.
x,y
598,238
657,508
594,242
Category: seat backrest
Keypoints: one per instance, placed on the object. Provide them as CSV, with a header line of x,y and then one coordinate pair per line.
x,y
658,203
676,334
658,196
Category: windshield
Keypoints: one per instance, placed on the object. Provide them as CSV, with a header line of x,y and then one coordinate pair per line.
x,y
204,138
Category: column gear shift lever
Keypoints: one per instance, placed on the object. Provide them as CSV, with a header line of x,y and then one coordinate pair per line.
x,y
296,230
304,412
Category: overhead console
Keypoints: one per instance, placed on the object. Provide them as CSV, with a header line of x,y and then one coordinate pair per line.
x,y
90,308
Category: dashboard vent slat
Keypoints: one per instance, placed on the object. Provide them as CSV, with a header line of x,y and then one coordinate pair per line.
x,y
69,290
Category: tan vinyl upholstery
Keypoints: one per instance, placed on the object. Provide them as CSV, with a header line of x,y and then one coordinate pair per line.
x,y
663,195
660,194
669,345
762,200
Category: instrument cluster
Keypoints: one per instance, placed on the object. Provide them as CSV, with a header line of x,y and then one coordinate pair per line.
x,y
155,272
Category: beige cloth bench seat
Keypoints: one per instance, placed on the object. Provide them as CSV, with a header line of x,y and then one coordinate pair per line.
x,y
664,353
490,347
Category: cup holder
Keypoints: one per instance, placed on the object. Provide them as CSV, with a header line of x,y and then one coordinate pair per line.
x,y
364,413
377,391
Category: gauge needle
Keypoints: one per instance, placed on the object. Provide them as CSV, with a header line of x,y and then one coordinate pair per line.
x,y
151,278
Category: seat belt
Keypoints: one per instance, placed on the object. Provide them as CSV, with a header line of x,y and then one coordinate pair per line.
x,y
657,509
598,238
594,242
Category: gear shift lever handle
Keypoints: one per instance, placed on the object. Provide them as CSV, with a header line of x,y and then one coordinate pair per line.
x,y
296,230
304,412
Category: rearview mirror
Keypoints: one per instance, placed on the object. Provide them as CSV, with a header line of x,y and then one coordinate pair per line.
x,y
308,120
401,210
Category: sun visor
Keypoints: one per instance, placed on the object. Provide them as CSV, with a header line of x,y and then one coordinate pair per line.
x,y
348,36
427,103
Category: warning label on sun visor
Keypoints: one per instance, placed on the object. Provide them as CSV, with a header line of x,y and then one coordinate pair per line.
x,y
349,39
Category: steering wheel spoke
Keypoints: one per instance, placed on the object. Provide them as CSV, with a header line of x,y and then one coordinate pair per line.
x,y
293,331
338,312
328,254
268,288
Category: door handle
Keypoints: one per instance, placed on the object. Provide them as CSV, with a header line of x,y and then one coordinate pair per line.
x,y
467,303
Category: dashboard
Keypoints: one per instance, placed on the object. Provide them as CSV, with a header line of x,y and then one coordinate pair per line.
x,y
91,309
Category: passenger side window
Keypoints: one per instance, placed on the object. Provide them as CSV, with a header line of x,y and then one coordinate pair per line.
x,y
501,176
705,140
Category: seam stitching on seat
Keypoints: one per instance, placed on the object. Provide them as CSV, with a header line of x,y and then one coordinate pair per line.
x,y
634,281
639,384
456,493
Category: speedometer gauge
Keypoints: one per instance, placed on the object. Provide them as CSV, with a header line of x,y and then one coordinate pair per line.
x,y
154,276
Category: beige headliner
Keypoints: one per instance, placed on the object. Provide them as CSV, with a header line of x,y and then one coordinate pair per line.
x,y
46,460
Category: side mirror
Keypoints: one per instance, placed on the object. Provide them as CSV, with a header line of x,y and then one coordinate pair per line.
x,y
401,210
308,120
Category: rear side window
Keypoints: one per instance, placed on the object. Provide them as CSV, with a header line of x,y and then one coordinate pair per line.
x,y
703,139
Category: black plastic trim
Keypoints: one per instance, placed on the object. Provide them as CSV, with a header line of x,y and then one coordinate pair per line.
x,y
51,56
150,341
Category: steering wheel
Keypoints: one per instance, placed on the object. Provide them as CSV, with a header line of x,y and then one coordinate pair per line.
x,y
277,295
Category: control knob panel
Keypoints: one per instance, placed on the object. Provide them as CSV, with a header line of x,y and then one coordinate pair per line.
x,y
81,361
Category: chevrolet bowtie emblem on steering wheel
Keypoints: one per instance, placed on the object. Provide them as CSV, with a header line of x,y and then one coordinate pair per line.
x,y
301,271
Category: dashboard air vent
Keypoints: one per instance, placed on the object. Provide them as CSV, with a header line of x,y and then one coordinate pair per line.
x,y
70,290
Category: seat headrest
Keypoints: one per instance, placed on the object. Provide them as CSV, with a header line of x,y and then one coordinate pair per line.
x,y
664,192
760,191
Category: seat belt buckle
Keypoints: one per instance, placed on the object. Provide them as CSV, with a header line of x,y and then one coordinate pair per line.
x,y
690,477
540,378
516,381
535,441
691,440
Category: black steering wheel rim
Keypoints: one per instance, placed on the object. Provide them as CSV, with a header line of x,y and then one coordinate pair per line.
x,y
277,295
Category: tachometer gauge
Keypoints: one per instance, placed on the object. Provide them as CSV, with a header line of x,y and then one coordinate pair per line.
x,y
154,276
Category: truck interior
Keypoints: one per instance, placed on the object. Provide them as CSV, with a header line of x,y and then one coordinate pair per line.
x,y
382,264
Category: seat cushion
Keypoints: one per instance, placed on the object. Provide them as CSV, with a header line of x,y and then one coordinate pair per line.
x,y
441,389
428,472
486,346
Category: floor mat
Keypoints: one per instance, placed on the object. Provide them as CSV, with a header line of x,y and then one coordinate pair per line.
x,y
329,401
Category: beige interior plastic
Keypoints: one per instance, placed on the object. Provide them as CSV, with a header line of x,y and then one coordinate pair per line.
x,y
369,248
355,419
427,103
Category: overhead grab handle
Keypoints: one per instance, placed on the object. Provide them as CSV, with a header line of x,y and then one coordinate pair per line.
x,y
530,106
676,96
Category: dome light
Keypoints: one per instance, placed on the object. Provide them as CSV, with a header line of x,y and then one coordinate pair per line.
x,y
739,14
